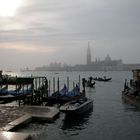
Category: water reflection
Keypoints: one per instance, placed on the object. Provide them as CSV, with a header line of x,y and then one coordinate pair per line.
x,y
72,124
128,107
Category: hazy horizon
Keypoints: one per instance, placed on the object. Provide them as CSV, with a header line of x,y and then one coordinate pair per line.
x,y
37,32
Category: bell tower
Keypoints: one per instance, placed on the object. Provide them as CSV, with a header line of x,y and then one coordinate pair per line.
x,y
88,55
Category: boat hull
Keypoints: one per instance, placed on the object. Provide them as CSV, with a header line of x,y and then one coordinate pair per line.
x,y
102,79
131,99
54,100
87,106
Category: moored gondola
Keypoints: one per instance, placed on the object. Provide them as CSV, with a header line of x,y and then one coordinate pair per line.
x,y
62,96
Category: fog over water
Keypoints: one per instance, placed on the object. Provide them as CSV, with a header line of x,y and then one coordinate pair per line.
x,y
36,32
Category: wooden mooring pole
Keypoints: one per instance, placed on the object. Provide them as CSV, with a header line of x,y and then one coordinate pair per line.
x,y
53,84
79,81
68,83
49,88
73,84
58,85
58,92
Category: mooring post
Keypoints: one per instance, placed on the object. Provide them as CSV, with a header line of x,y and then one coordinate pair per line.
x,y
68,83
32,91
1,83
39,82
27,88
46,87
73,84
49,87
79,81
53,84
7,81
16,88
58,85
19,96
43,82
36,83
23,95
58,92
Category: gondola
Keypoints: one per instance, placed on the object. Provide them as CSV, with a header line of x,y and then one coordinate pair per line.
x,y
62,96
102,79
3,90
88,83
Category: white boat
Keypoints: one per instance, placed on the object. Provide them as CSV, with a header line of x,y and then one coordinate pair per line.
x,y
78,106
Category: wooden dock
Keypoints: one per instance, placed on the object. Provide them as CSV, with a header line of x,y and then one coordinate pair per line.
x,y
37,113
131,99
28,90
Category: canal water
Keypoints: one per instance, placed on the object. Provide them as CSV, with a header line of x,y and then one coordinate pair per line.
x,y
110,119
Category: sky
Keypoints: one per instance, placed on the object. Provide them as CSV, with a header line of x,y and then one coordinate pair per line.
x,y
37,32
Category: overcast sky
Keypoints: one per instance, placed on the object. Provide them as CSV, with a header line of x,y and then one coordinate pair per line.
x,y
37,32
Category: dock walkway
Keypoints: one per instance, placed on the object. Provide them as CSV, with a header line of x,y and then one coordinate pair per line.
x,y
14,116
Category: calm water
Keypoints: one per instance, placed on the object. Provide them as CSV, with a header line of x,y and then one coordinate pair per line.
x,y
110,119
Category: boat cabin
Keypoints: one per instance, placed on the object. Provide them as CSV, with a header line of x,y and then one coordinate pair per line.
x,y
136,74
136,78
0,73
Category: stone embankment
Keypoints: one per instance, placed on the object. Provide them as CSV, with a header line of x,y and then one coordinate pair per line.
x,y
9,114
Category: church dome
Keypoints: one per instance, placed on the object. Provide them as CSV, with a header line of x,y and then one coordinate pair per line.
x,y
108,58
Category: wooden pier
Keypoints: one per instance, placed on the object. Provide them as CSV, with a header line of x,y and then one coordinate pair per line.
x,y
27,90
33,90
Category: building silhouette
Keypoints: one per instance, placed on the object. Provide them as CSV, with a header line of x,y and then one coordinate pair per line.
x,y
106,64
88,55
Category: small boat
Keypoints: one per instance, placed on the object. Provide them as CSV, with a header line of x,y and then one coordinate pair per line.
x,y
131,91
88,83
78,106
91,85
3,90
131,99
61,93
102,79
14,92
7,98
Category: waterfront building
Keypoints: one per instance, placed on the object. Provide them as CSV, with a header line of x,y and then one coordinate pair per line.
x,y
88,55
106,64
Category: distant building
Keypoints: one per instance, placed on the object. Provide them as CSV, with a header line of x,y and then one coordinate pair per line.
x,y
131,66
106,64
98,65
88,55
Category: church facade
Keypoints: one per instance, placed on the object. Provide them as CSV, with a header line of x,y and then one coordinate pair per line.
x,y
106,64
